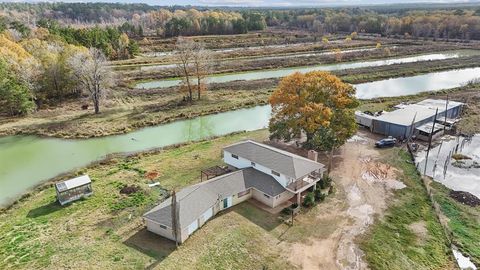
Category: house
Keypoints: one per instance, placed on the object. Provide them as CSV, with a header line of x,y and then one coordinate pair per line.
x,y
264,173
73,189
411,119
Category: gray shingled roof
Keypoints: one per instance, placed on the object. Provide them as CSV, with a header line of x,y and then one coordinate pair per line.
x,y
278,160
194,200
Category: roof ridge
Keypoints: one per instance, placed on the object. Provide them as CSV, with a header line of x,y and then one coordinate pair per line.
x,y
202,184
281,151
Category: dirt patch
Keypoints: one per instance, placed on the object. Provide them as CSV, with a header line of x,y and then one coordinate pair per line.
x,y
127,190
420,230
365,184
464,197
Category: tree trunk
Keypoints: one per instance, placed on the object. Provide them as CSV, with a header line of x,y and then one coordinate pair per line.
x,y
330,160
96,102
198,87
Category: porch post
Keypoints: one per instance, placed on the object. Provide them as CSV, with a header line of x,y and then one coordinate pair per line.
x,y
298,198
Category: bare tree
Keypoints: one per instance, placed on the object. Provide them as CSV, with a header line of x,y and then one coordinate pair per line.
x,y
193,66
185,48
201,67
92,74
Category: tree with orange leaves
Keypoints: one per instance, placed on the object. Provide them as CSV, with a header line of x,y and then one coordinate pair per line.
x,y
316,104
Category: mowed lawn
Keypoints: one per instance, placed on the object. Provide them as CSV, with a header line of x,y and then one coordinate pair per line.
x,y
106,231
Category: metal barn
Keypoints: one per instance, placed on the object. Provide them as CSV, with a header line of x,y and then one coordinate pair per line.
x,y
404,121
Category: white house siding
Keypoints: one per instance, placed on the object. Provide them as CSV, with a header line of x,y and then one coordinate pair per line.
x,y
283,197
155,228
259,196
237,200
241,163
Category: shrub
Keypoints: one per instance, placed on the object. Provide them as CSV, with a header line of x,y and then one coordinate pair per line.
x,y
325,182
287,211
319,196
309,200
330,190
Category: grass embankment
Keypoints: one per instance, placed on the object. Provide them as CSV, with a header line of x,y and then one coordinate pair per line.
x,y
463,222
409,235
250,65
128,113
128,110
105,230
250,53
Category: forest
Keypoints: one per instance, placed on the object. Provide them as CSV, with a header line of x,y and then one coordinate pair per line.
x,y
417,21
40,42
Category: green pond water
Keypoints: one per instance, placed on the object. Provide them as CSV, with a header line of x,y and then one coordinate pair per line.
x,y
26,161
277,73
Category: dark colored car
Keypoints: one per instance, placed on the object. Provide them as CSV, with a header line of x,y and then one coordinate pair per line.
x,y
387,142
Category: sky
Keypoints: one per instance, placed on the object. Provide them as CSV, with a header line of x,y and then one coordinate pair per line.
x,y
261,3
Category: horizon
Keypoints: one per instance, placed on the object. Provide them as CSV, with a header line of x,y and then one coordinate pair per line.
x,y
266,3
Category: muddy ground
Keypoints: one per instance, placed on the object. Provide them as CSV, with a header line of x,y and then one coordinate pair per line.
x,y
363,186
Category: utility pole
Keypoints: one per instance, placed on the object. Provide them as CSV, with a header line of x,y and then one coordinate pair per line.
x,y
174,218
446,110
430,141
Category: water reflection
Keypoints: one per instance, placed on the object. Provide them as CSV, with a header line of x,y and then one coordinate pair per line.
x,y
444,169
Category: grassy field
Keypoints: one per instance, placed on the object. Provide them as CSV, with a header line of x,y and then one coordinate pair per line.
x,y
463,222
38,233
409,235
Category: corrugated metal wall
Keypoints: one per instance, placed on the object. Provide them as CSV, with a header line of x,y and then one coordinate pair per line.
x,y
399,131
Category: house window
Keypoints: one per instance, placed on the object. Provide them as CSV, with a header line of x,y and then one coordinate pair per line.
x,y
234,156
163,226
253,164
275,173
243,193
266,195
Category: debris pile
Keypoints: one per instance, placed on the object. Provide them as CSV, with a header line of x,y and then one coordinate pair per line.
x,y
464,197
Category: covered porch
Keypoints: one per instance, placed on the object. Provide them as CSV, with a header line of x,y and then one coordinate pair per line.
x,y
304,183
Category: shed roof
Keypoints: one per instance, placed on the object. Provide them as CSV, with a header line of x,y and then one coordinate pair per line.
x,y
422,110
73,183
278,160
194,200
427,128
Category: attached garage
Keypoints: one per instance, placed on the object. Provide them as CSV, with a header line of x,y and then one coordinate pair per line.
x,y
192,227
208,214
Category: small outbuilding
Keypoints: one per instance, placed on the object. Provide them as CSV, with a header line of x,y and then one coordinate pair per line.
x,y
74,189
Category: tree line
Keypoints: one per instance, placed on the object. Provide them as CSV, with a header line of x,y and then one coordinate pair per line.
x,y
179,22
445,24
43,69
456,22
114,43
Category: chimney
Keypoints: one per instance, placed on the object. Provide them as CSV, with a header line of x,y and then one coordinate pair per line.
x,y
313,155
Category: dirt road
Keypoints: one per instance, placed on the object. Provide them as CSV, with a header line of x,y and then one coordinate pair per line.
x,y
363,185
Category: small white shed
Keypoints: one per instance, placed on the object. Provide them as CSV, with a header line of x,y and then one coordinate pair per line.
x,y
74,189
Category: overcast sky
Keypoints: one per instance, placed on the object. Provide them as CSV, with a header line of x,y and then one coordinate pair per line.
x,y
261,3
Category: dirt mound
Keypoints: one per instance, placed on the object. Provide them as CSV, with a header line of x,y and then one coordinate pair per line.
x,y
127,190
465,198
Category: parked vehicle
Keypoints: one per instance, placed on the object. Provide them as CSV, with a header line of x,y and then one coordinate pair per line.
x,y
387,142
